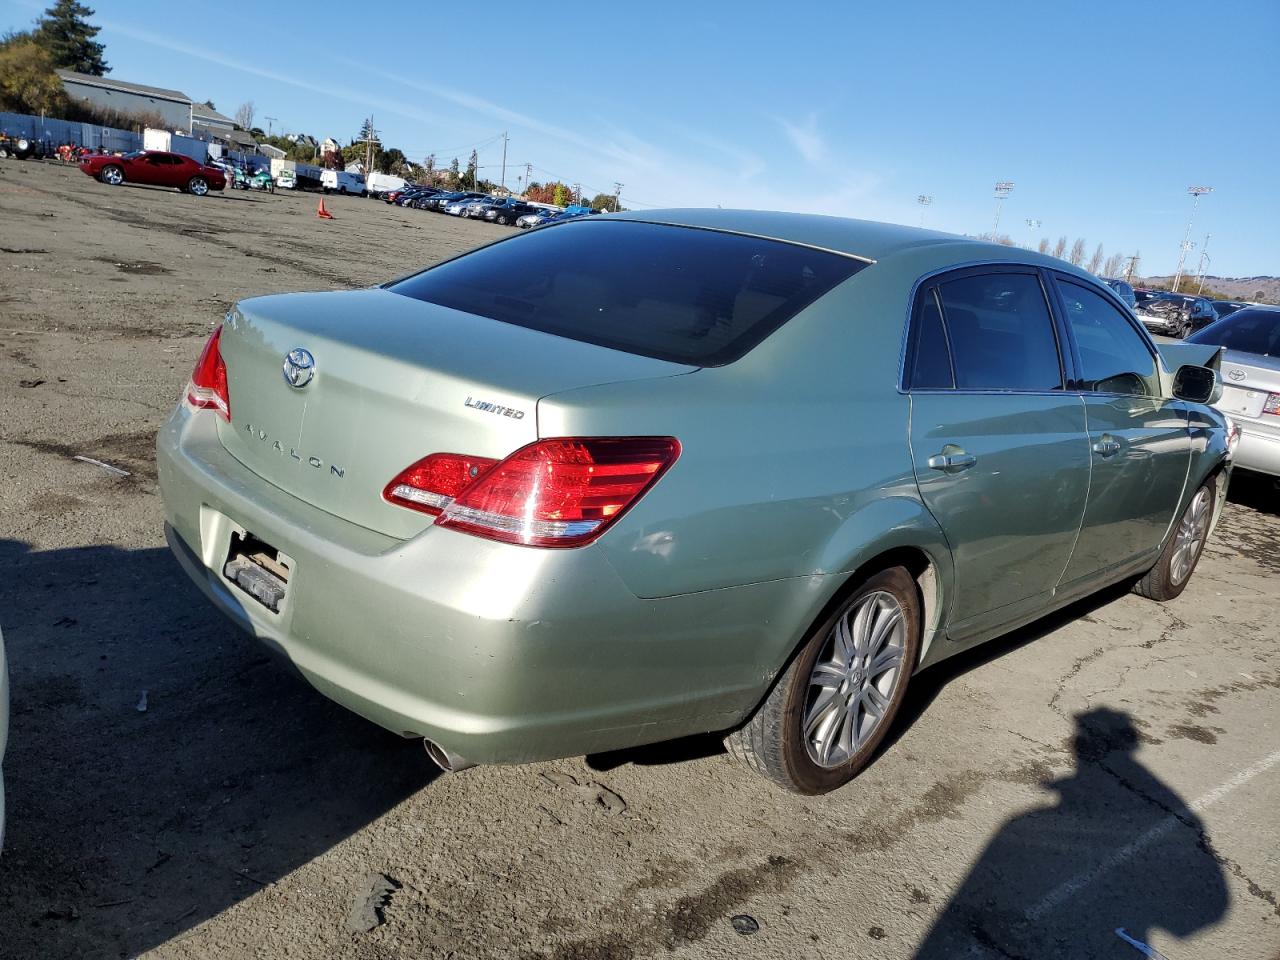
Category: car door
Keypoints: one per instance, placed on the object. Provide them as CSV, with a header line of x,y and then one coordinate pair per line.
x,y
1140,441
998,442
157,170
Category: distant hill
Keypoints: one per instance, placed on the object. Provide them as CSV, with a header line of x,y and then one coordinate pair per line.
x,y
1260,289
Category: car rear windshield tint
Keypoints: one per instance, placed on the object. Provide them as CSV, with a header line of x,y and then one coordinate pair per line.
x,y
1248,331
676,293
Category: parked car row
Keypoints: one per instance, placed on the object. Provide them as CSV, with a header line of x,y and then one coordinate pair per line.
x,y
472,204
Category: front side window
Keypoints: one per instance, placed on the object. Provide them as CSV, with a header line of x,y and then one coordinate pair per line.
x,y
1000,332
692,296
1113,356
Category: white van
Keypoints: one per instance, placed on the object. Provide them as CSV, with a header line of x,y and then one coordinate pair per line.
x,y
339,181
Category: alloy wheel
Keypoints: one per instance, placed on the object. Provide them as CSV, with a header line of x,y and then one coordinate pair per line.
x,y
113,176
1190,537
198,186
854,679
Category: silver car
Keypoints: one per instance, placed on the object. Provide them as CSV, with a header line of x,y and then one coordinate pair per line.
x,y
1251,382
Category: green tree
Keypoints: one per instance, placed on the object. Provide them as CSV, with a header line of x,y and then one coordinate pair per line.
x,y
602,201
473,167
392,160
66,33
27,81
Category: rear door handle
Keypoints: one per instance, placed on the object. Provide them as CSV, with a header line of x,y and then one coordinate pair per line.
x,y
952,461
1106,446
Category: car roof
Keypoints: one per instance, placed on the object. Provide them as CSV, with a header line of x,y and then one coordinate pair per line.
x,y
865,239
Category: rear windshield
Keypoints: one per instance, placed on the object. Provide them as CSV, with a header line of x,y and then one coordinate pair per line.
x,y
676,293
1249,331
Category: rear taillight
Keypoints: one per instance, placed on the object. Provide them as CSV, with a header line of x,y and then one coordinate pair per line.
x,y
208,387
552,493
1272,404
560,493
431,484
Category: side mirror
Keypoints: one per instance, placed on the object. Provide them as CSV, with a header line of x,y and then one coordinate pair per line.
x,y
1194,384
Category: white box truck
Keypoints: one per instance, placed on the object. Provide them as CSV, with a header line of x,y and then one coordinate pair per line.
x,y
380,184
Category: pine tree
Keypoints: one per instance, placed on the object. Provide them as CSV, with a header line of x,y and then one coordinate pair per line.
x,y
68,36
473,167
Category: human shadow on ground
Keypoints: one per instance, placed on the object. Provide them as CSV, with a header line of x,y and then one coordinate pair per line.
x,y
1117,849
161,766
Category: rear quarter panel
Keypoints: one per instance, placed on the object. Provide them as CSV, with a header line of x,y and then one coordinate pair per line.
x,y
795,459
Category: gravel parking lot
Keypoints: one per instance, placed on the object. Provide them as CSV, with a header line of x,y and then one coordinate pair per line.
x,y
175,793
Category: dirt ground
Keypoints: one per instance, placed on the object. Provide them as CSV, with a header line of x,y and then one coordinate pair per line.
x,y
173,793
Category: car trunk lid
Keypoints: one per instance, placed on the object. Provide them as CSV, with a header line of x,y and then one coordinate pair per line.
x,y
394,379
1247,380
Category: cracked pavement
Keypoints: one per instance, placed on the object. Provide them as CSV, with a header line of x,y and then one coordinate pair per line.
x,y
1115,766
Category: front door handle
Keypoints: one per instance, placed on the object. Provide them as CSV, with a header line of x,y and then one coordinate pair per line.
x,y
952,461
1106,446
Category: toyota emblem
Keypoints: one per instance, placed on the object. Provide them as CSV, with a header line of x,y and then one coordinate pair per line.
x,y
1236,375
299,367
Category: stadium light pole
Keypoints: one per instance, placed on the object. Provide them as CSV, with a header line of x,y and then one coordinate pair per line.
x,y
1032,227
1003,189
924,200
1196,194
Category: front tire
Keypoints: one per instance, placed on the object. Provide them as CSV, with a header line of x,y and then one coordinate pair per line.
x,y
1172,572
198,186
832,707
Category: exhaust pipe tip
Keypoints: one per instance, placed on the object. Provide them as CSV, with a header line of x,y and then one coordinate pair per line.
x,y
446,760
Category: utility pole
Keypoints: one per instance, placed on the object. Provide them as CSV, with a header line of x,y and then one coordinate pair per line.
x,y
270,121
504,161
528,176
1131,267
1204,256
1196,194
924,200
577,193
369,139
617,192
1003,189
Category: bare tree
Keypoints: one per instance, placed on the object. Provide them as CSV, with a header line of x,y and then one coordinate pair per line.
x,y
1112,267
1044,245
244,115
1077,252
1095,262
1060,248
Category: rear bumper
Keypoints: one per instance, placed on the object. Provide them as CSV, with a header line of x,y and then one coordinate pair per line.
x,y
499,653
1258,450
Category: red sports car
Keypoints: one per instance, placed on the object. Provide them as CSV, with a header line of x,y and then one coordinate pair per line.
x,y
157,168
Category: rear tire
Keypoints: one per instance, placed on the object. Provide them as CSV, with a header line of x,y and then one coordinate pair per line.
x,y
829,711
1172,572
112,175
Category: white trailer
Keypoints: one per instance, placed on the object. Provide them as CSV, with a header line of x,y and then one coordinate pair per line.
x,y
153,139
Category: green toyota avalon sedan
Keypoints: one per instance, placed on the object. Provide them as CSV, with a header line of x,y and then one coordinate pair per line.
x,y
634,477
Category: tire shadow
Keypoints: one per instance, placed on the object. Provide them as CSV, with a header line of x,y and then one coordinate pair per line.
x,y
161,766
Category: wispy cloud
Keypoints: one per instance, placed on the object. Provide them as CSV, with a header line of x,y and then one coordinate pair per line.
x,y
608,149
346,94
807,139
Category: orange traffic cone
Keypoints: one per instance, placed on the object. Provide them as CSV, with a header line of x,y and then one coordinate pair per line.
x,y
322,213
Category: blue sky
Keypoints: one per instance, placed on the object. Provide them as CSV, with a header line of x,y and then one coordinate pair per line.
x,y
1101,113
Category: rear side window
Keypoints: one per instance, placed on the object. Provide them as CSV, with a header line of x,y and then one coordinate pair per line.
x,y
1113,356
1247,330
676,293
931,358
1000,332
